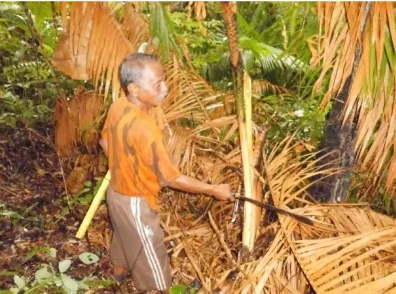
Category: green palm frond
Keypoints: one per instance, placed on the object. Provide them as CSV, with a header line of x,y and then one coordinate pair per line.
x,y
271,58
162,31
255,55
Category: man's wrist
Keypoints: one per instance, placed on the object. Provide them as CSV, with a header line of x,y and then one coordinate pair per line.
x,y
211,190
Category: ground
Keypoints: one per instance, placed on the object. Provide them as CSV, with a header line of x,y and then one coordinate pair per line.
x,y
36,214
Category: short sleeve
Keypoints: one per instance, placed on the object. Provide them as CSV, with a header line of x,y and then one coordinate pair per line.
x,y
165,170
105,130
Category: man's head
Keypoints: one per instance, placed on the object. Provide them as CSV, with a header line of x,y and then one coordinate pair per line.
x,y
143,77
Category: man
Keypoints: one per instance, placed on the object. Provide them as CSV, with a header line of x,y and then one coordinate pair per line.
x,y
140,166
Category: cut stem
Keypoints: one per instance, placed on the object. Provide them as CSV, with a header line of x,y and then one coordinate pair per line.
x,y
99,196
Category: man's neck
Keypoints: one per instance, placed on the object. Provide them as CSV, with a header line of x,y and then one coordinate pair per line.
x,y
143,107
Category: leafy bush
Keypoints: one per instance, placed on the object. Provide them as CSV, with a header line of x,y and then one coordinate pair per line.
x,y
48,277
14,109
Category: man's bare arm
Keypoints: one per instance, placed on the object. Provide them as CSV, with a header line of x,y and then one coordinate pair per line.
x,y
188,184
191,185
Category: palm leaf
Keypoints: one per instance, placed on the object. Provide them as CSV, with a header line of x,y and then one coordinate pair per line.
x,y
193,114
135,25
348,248
161,28
373,87
188,95
260,87
354,257
86,49
255,55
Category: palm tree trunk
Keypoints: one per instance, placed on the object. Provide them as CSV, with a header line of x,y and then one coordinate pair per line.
x,y
242,85
340,139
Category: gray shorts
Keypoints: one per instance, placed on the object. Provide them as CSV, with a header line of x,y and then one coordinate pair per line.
x,y
138,241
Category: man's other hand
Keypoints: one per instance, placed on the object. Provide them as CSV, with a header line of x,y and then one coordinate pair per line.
x,y
223,192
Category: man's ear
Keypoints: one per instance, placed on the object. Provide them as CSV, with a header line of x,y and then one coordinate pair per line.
x,y
133,89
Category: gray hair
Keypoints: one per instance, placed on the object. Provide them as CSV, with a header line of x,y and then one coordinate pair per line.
x,y
131,68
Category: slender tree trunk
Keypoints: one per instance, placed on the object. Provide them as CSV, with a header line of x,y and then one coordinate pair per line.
x,y
242,86
340,139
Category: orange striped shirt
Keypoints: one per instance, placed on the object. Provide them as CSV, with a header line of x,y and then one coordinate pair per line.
x,y
138,160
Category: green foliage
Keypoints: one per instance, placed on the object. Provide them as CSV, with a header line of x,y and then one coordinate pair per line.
x,y
181,289
202,38
264,57
28,83
162,31
286,25
45,23
288,114
88,258
40,249
16,216
14,108
86,195
48,277
4,212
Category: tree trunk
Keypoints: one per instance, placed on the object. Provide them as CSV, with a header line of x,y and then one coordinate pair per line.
x,y
340,139
242,86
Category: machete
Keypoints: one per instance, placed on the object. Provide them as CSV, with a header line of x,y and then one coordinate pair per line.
x,y
270,207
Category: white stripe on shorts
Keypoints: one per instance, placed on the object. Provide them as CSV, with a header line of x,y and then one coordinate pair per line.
x,y
148,246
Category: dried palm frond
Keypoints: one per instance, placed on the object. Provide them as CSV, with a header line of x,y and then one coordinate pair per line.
x,y
189,96
348,248
135,25
358,255
76,119
198,8
213,250
181,147
373,88
93,45
260,87
66,135
185,144
284,173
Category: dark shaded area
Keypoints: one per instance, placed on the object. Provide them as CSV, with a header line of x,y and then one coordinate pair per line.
x,y
339,140
34,211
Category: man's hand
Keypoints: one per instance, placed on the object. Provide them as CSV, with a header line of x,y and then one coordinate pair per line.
x,y
223,192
